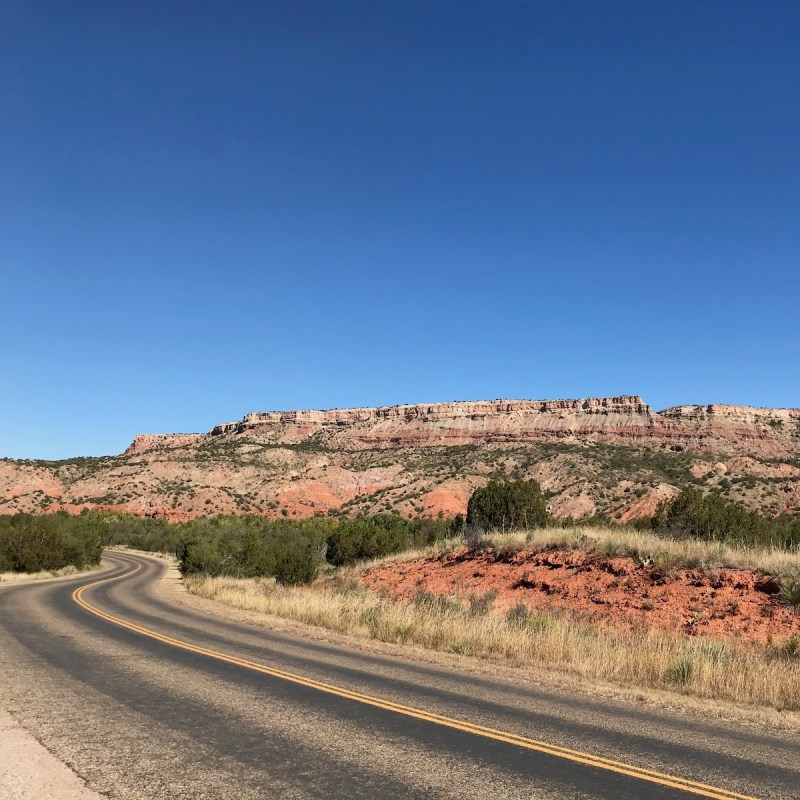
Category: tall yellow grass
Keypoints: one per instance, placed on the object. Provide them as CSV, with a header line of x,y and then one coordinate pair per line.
x,y
720,670
27,577
685,552
617,540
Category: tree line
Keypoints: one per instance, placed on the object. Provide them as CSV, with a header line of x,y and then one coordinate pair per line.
x,y
294,550
694,514
31,543
244,546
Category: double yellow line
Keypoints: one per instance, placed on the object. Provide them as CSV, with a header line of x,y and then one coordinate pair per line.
x,y
693,787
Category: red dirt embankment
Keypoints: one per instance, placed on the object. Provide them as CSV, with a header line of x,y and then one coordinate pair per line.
x,y
720,603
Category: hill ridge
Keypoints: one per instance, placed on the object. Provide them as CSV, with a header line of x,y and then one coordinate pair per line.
x,y
613,456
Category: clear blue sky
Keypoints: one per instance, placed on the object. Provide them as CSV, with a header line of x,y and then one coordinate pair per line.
x,y
209,209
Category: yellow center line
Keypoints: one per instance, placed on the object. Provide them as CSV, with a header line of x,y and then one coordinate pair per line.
x,y
672,781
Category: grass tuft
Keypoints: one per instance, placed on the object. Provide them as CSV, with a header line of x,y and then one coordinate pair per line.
x,y
680,671
789,591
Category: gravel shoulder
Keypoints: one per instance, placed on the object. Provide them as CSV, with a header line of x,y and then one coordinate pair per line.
x,y
28,771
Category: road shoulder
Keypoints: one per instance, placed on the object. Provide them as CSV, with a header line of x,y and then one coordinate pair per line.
x,y
29,771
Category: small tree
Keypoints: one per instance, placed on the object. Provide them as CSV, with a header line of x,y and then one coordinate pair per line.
x,y
295,564
200,558
507,505
710,516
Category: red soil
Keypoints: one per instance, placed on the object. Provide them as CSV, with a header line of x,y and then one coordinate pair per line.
x,y
719,603
447,502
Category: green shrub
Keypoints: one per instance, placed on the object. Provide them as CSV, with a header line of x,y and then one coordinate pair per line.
x,y
200,557
711,517
380,535
507,505
457,525
789,591
295,566
30,543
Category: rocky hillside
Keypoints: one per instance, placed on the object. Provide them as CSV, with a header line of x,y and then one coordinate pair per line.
x,y
613,456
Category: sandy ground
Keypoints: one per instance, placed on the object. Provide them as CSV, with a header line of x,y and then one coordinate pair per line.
x,y
29,771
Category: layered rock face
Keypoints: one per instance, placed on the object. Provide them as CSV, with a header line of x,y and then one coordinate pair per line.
x,y
724,429
611,455
768,432
452,423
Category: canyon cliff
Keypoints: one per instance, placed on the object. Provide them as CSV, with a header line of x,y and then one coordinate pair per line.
x,y
614,456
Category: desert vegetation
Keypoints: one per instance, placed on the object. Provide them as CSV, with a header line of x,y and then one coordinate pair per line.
x,y
293,551
690,539
319,571
506,505
608,540
246,546
711,517
30,543
641,657
729,669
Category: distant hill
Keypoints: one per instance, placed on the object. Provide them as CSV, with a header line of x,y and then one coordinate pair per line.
x,y
614,456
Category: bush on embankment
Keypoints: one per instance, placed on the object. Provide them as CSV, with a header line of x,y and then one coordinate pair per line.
x,y
507,505
710,517
31,543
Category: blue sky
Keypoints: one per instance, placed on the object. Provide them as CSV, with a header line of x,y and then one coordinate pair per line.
x,y
208,209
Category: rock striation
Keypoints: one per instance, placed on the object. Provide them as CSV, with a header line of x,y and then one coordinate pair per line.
x,y
715,428
451,423
727,429
604,455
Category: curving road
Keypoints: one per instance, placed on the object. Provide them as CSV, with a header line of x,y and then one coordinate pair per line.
x,y
148,698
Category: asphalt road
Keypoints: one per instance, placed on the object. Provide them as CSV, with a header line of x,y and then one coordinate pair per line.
x,y
146,698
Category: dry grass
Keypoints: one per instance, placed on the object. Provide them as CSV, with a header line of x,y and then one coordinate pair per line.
x,y
615,540
725,671
27,577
